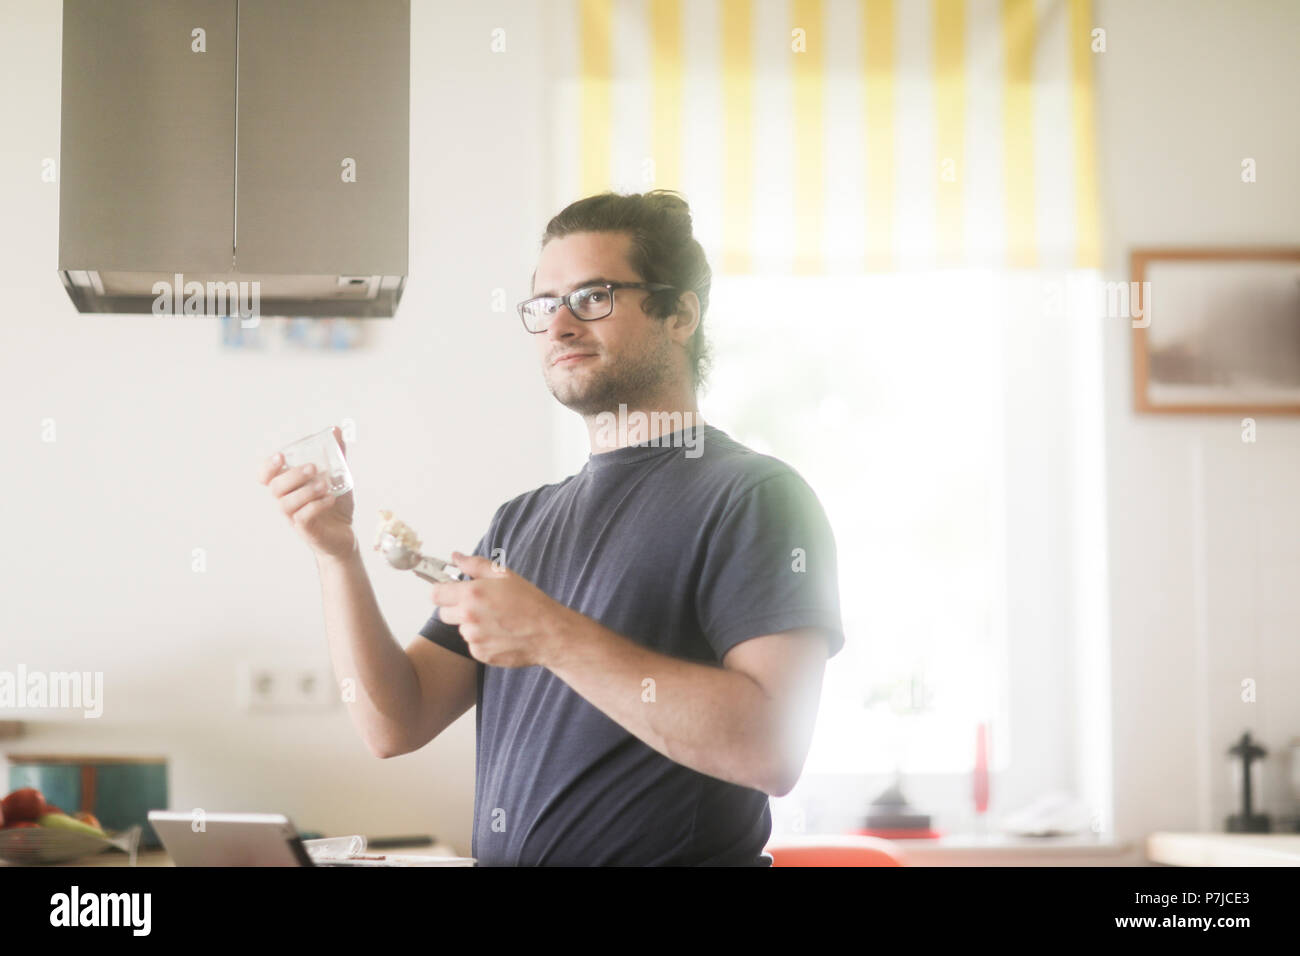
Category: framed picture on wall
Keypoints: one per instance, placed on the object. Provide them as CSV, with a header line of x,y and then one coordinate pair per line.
x,y
1220,331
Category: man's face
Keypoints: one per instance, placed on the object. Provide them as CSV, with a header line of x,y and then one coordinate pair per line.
x,y
626,357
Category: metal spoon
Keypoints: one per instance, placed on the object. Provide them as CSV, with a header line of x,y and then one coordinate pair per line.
x,y
432,569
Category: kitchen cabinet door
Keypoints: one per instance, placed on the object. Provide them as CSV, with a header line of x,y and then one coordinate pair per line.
x,y
323,139
147,170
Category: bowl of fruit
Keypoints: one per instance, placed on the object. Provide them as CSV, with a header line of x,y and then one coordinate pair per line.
x,y
34,831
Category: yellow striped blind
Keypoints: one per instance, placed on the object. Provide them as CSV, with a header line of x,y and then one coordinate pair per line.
x,y
840,136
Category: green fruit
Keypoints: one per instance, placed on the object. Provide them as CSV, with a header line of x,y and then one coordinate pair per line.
x,y
61,821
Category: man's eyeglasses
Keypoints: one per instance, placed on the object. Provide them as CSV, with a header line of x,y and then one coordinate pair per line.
x,y
588,303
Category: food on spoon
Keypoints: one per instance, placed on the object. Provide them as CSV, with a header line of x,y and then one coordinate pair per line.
x,y
24,805
405,536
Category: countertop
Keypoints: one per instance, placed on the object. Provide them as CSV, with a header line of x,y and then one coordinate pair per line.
x,y
1224,849
160,857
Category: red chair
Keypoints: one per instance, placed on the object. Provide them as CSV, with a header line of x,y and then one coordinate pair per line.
x,y
834,850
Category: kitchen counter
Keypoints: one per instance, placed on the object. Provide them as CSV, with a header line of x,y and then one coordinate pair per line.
x,y
160,857
1224,849
974,849
1006,850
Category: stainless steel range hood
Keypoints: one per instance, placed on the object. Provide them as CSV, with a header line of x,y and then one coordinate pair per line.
x,y
254,150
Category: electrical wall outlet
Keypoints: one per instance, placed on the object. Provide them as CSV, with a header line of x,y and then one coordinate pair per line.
x,y
285,688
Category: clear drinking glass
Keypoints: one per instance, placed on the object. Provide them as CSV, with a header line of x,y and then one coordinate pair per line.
x,y
321,450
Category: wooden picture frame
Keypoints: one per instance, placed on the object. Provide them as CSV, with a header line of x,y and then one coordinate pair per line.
x,y
1196,351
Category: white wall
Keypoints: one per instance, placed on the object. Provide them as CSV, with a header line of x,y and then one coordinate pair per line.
x,y
1204,530
159,431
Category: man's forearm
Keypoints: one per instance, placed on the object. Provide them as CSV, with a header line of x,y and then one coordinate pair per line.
x,y
717,721
363,649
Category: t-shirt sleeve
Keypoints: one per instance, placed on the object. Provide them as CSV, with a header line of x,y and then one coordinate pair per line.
x,y
770,566
448,635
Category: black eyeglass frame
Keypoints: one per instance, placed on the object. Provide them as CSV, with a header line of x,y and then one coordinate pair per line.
x,y
569,300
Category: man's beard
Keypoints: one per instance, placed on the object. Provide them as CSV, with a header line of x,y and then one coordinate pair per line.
x,y
630,382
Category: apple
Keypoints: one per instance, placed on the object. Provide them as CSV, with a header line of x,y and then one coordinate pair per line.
x,y
23,806
88,818
20,826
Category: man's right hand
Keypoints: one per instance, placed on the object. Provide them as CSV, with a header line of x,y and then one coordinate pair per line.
x,y
321,519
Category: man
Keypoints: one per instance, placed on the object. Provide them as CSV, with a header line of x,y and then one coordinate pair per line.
x,y
644,640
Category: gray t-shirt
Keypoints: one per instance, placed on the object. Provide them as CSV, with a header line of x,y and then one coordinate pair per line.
x,y
688,548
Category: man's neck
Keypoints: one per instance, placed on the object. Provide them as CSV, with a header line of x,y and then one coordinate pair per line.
x,y
641,422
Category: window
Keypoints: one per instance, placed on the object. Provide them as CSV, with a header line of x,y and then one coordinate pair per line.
x,y
883,392
934,414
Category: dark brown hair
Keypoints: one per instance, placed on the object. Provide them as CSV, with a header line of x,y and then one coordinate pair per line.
x,y
663,250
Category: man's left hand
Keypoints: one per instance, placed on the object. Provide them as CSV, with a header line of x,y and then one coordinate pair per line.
x,y
505,620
